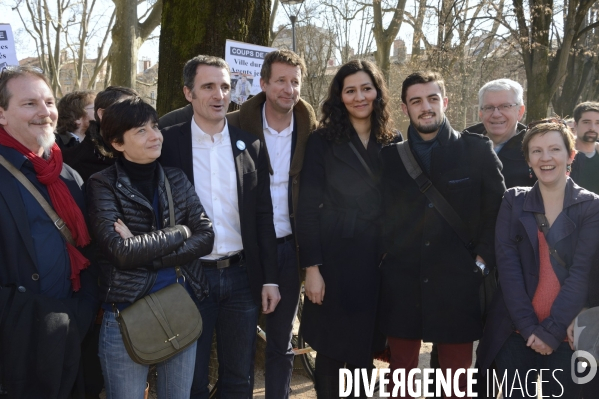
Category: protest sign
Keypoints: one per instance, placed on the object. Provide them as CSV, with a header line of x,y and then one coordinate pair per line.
x,y
8,54
245,61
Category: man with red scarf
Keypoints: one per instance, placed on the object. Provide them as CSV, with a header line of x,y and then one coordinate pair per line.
x,y
47,291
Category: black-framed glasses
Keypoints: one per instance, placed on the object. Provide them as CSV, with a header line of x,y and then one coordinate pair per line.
x,y
489,109
558,121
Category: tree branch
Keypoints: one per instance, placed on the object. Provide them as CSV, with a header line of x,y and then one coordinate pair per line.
x,y
153,20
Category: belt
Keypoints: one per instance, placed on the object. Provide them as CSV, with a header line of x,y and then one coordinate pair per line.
x,y
283,240
223,262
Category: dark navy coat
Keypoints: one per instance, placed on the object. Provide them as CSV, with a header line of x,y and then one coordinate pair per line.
x,y
574,235
430,282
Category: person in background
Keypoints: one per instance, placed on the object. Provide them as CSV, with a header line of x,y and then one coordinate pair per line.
x,y
585,169
543,275
93,155
283,121
339,223
138,249
501,107
75,111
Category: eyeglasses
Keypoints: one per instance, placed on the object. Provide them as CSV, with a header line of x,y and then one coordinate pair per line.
x,y
547,120
489,109
9,69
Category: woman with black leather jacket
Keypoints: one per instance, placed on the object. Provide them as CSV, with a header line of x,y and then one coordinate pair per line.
x,y
138,251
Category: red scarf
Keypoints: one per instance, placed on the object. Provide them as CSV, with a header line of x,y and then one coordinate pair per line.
x,y
48,172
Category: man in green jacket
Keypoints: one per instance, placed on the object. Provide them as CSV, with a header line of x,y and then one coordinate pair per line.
x,y
283,121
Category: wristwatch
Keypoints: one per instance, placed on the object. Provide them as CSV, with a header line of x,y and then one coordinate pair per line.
x,y
482,267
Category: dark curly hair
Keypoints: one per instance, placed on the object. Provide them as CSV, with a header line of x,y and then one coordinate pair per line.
x,y
335,118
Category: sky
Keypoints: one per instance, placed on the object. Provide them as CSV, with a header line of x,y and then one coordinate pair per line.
x,y
25,45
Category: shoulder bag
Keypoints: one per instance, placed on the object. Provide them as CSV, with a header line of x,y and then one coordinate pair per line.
x,y
163,323
489,285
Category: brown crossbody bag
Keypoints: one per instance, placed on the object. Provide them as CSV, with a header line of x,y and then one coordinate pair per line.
x,y
163,323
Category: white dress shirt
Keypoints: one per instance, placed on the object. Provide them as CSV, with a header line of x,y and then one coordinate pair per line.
x,y
215,182
279,151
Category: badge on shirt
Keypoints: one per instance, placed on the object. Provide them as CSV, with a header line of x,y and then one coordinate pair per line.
x,y
240,145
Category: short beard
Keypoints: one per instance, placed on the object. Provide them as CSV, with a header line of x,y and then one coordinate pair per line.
x,y
589,137
425,129
46,141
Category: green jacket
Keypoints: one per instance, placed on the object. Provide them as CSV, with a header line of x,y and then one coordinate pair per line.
x,y
249,118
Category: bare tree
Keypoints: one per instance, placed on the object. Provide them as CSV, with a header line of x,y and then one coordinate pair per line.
x,y
128,34
60,28
545,60
580,83
351,24
384,37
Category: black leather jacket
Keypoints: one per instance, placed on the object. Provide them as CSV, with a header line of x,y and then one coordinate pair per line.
x,y
128,267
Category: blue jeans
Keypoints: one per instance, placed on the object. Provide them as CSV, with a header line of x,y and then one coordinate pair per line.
x,y
125,379
514,356
279,325
231,310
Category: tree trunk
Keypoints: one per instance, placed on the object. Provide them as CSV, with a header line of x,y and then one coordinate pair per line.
x,y
128,34
544,73
384,37
212,23
417,37
123,51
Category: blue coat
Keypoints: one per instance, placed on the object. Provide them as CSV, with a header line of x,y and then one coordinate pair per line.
x,y
574,235
39,335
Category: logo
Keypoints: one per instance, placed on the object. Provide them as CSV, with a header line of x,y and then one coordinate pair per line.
x,y
583,367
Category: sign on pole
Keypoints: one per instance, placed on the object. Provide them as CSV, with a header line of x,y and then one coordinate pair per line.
x,y
8,54
245,61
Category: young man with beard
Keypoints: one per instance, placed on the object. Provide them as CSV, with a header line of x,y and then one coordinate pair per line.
x,y
430,277
585,168
47,291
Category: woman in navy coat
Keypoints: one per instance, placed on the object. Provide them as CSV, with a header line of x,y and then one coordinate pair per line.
x,y
538,297
339,221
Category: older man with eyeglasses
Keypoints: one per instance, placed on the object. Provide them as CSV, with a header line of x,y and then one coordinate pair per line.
x,y
501,107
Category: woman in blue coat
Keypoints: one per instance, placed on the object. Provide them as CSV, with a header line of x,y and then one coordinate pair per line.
x,y
540,293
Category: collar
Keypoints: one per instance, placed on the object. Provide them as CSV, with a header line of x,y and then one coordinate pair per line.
x,y
199,136
13,156
591,154
123,178
283,133
574,195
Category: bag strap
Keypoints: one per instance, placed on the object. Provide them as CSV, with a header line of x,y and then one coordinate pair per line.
x,y
362,161
171,206
171,213
435,197
543,225
58,222
156,307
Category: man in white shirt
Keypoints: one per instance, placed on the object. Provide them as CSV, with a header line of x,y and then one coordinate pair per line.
x,y
229,169
282,120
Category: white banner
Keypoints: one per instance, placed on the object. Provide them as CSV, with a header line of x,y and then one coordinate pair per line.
x,y
245,61
8,54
